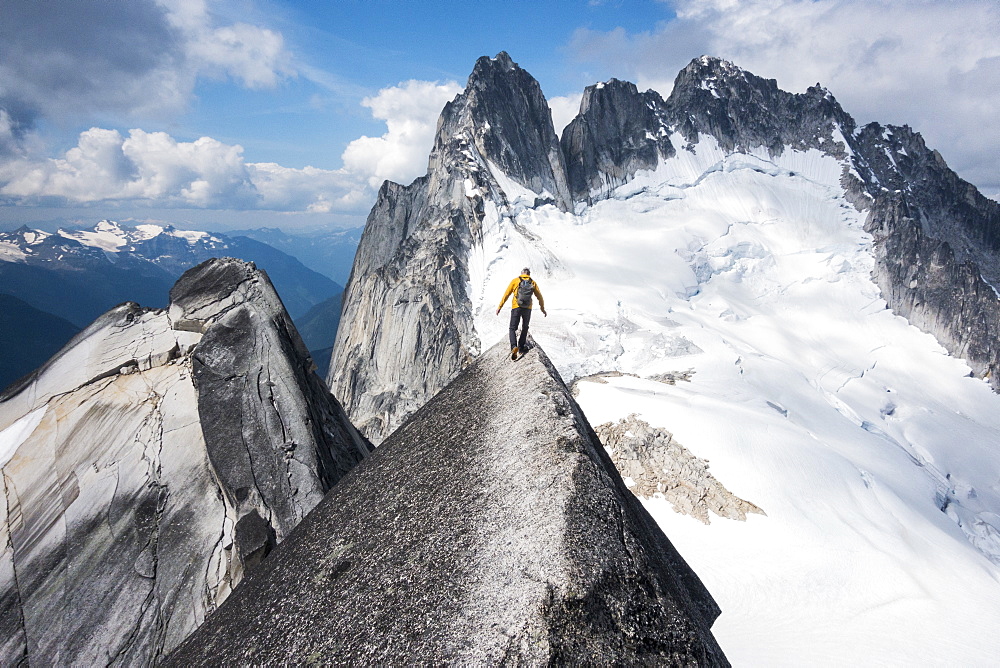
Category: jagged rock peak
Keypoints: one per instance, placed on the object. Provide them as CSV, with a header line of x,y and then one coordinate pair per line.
x,y
742,111
611,88
151,463
502,60
503,112
505,540
205,291
617,132
705,67
495,151
722,78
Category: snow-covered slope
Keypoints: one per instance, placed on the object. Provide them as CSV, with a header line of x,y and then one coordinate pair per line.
x,y
733,268
873,453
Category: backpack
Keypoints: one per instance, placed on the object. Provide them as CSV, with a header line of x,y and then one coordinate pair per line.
x,y
524,292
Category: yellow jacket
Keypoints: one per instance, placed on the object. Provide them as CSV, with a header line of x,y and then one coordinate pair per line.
x,y
512,292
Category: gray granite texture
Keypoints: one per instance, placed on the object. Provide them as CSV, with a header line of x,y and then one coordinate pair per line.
x,y
406,327
490,528
151,463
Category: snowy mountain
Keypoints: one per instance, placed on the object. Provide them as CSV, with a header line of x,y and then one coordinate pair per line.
x,y
74,280
79,274
147,259
751,281
327,251
154,461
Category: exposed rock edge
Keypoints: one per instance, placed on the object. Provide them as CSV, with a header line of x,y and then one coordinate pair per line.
x,y
161,455
491,527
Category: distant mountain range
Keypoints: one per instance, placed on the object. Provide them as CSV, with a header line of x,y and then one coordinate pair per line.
x,y
329,252
77,274
28,337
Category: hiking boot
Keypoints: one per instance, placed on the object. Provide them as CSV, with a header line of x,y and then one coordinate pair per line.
x,y
513,353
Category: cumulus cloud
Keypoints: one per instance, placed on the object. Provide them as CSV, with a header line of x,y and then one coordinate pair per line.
x,y
932,65
564,109
156,169
140,57
410,111
254,56
309,189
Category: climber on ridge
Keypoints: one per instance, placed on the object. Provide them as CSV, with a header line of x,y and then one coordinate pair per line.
x,y
522,288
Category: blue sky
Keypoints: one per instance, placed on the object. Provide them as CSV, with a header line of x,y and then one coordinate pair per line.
x,y
242,113
362,47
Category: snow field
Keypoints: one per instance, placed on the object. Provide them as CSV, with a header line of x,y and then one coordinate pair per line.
x,y
850,428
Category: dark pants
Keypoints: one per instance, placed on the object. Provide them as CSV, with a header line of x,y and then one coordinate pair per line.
x,y
524,316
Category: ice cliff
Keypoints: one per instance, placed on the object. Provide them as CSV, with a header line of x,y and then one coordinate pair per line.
x,y
490,528
150,464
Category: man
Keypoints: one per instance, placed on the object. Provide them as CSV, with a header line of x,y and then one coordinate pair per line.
x,y
522,288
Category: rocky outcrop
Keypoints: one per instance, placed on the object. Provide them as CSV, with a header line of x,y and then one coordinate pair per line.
x,y
406,328
151,462
617,132
923,280
743,111
654,464
490,528
937,244
620,131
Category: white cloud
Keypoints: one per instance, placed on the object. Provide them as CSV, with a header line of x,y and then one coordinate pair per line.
x,y
155,169
932,65
308,189
251,54
141,58
564,109
410,111
150,166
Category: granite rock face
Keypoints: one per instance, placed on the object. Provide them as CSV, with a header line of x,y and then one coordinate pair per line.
x,y
503,534
151,462
742,111
937,243
406,326
617,132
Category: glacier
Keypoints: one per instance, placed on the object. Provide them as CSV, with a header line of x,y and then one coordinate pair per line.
x,y
873,452
801,307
